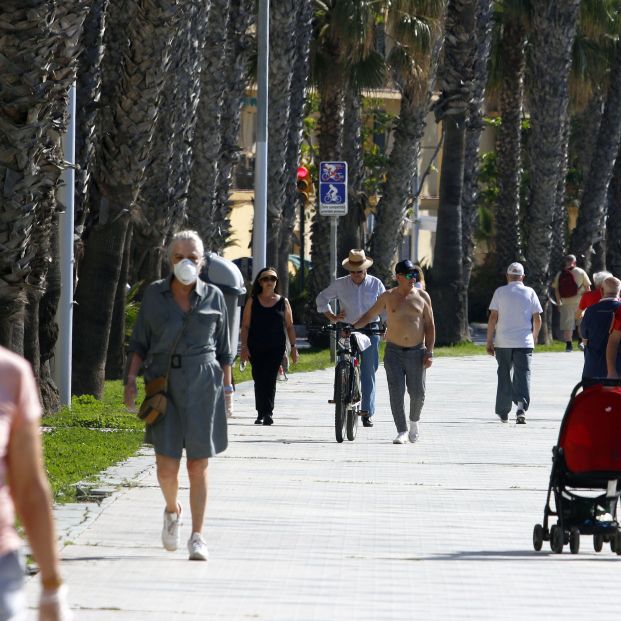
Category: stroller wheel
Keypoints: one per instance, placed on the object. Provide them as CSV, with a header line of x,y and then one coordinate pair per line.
x,y
537,537
613,542
617,543
574,540
598,542
557,539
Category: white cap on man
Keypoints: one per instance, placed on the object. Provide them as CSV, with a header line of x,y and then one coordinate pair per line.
x,y
516,269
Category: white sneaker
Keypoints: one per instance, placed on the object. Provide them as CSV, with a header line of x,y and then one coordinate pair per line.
x,y
402,438
197,548
170,530
413,435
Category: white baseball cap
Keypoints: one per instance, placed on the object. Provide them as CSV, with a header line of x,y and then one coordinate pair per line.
x,y
516,269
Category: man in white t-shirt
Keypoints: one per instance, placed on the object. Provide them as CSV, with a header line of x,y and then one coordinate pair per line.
x,y
516,320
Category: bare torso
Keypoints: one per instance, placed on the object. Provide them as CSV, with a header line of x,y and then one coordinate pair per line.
x,y
404,317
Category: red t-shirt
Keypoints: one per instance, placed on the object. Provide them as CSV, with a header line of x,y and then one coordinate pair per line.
x,y
616,322
589,298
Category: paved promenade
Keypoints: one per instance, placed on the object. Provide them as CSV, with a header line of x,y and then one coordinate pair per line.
x,y
301,528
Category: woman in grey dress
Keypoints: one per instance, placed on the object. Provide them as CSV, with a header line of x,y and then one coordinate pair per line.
x,y
200,374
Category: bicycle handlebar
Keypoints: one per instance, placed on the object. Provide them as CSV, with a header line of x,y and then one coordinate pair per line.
x,y
341,325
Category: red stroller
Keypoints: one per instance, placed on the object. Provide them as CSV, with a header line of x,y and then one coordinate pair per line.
x,y
587,458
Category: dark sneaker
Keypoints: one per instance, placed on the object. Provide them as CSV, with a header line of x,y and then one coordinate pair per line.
x,y
569,347
520,418
504,418
581,346
259,420
267,420
366,421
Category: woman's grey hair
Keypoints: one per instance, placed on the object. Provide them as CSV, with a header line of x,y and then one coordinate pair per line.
x,y
185,236
600,277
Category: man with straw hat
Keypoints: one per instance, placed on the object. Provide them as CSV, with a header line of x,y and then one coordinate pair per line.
x,y
356,294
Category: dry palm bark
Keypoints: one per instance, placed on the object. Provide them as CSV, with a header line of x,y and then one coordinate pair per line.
x,y
129,125
554,30
26,101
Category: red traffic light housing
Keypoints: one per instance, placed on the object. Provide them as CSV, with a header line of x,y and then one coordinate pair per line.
x,y
304,183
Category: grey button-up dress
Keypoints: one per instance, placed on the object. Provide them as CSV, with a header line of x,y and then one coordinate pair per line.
x,y
195,418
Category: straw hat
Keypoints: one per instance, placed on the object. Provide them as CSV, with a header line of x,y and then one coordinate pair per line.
x,y
357,260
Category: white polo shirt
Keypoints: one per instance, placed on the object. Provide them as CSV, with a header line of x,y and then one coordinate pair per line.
x,y
516,304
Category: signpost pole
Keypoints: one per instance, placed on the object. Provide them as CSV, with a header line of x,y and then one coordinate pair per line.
x,y
333,237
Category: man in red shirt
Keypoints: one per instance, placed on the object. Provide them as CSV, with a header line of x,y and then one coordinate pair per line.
x,y
613,355
591,297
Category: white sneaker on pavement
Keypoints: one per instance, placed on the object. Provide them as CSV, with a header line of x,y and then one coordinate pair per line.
x,y
170,530
402,438
197,548
414,433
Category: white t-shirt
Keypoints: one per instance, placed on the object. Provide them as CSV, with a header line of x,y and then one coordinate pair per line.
x,y
516,304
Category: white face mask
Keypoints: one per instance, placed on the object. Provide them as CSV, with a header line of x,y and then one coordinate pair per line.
x,y
186,271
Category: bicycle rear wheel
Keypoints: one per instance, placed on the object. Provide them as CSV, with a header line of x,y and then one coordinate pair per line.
x,y
341,398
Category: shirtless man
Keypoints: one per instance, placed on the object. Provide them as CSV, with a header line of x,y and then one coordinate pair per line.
x,y
410,335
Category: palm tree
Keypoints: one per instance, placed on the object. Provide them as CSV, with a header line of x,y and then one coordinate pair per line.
x,y
592,211
208,138
456,79
514,27
125,152
613,222
416,32
28,46
554,30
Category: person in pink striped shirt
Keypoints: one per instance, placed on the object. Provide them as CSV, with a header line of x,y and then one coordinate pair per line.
x,y
24,489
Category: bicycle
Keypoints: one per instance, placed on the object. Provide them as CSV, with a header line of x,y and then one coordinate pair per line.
x,y
347,386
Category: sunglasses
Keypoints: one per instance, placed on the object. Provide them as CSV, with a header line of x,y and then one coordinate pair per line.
x,y
268,279
410,276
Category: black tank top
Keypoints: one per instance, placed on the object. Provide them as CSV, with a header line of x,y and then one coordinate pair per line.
x,y
267,325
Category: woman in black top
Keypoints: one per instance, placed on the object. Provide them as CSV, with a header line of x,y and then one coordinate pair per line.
x,y
267,315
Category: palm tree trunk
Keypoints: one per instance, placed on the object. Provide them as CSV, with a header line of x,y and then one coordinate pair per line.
x,y
350,225
121,164
591,215
509,147
456,77
613,222
208,138
553,35
473,138
296,125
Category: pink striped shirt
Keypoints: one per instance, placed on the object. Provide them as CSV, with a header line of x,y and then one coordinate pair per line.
x,y
19,404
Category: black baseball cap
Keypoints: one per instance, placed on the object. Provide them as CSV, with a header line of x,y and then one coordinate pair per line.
x,y
405,267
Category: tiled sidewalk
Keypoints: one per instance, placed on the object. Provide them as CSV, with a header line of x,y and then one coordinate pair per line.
x,y
302,528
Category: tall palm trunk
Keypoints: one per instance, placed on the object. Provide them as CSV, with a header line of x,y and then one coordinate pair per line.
x,y
613,222
473,138
509,147
330,149
28,45
299,80
350,225
592,211
554,31
121,166
208,137
449,296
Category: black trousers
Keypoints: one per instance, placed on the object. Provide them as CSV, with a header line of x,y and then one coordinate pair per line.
x,y
265,362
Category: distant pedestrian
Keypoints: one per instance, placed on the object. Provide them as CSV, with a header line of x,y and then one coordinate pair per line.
x,y
512,329
182,328
267,323
24,488
356,293
420,277
410,337
588,298
595,328
569,284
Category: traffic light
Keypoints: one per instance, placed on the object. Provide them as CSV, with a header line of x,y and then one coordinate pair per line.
x,y
305,184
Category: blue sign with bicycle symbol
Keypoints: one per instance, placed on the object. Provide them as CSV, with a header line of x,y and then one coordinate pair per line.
x,y
333,188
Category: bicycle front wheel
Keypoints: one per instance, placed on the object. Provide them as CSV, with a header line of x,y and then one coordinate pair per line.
x,y
352,413
341,399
